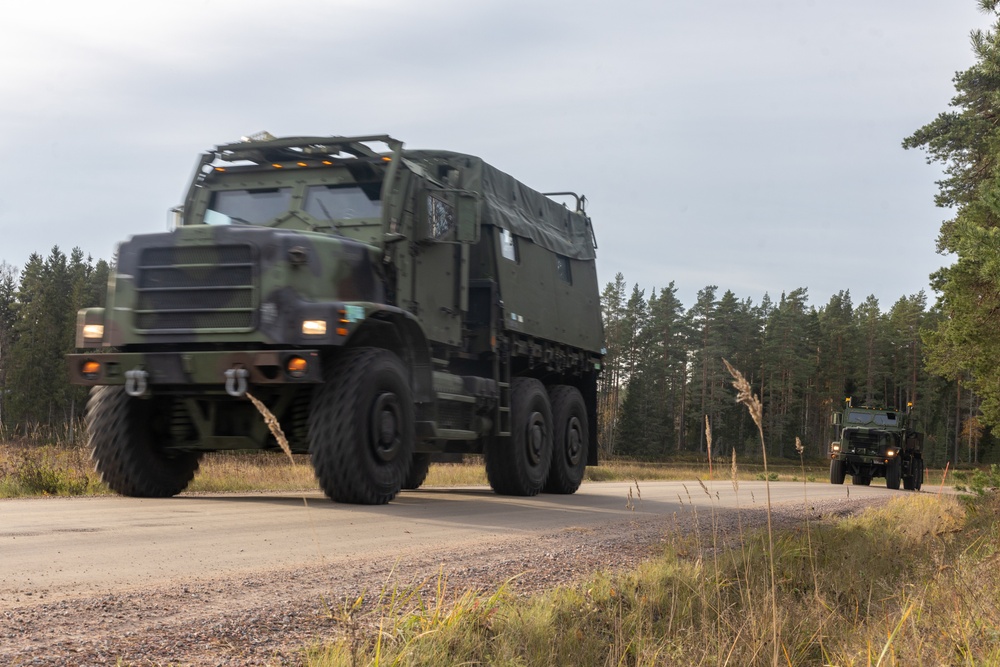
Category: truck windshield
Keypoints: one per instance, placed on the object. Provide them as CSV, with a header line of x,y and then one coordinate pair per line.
x,y
253,207
343,202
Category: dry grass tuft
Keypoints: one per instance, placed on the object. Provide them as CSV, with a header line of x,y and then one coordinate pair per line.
x,y
273,426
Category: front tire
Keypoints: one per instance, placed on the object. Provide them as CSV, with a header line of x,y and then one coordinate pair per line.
x,y
837,471
569,444
893,474
916,478
519,465
361,427
127,446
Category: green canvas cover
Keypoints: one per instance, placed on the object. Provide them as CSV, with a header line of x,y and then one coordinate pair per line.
x,y
511,205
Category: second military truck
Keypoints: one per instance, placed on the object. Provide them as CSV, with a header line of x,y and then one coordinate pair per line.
x,y
388,306
877,442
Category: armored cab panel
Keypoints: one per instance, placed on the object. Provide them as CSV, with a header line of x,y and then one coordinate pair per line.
x,y
539,254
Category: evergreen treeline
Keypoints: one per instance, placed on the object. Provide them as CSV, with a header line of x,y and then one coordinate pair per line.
x,y
37,328
663,373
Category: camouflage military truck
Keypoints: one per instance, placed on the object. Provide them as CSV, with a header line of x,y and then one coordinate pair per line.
x,y
389,306
874,442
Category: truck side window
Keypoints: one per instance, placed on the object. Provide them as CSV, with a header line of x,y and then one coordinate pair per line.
x,y
563,269
440,217
508,245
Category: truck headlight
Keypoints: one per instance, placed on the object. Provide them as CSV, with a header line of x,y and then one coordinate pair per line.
x,y
835,447
314,327
891,453
93,333
90,327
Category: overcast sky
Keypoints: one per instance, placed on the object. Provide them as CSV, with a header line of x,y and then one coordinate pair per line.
x,y
750,145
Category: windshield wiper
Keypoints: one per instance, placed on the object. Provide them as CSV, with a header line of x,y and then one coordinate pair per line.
x,y
327,214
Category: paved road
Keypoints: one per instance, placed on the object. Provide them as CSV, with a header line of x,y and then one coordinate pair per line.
x,y
57,548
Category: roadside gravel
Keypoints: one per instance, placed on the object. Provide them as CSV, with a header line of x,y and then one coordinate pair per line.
x,y
268,618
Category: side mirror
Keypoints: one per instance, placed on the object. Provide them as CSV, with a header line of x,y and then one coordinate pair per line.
x,y
837,418
175,217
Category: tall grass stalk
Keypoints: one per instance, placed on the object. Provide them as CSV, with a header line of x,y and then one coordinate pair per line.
x,y
745,396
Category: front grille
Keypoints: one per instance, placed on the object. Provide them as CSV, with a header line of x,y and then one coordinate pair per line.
x,y
195,288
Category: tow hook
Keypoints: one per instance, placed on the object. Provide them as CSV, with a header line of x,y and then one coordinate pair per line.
x,y
236,381
135,382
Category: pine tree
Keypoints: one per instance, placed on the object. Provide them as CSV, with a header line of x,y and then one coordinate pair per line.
x,y
611,383
8,314
965,141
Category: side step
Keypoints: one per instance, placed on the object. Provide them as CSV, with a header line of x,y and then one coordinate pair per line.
x,y
503,409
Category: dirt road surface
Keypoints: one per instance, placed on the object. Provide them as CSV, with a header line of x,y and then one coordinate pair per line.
x,y
253,579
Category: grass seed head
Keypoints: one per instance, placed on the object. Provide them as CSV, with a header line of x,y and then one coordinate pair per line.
x,y
745,395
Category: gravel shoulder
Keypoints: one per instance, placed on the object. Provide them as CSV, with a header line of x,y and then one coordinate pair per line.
x,y
268,616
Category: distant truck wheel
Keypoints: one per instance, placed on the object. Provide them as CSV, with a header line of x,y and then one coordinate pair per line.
x,y
418,471
128,447
361,427
893,474
570,438
837,471
519,465
918,475
861,479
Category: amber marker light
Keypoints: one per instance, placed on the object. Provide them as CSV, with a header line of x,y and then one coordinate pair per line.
x,y
386,159
327,162
278,166
314,327
341,331
90,369
302,164
297,367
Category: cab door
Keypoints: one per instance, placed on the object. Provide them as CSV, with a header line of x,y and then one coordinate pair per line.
x,y
448,221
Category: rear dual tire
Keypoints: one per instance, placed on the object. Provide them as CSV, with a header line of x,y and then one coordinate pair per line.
x,y
570,438
519,465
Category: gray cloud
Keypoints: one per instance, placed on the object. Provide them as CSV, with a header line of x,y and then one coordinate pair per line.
x,y
754,146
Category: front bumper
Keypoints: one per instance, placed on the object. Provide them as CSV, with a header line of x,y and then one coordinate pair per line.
x,y
861,459
195,368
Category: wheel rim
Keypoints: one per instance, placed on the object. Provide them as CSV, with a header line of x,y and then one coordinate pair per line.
x,y
536,438
385,437
574,441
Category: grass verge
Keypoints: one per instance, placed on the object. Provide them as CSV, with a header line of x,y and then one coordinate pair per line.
x,y
31,470
912,583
